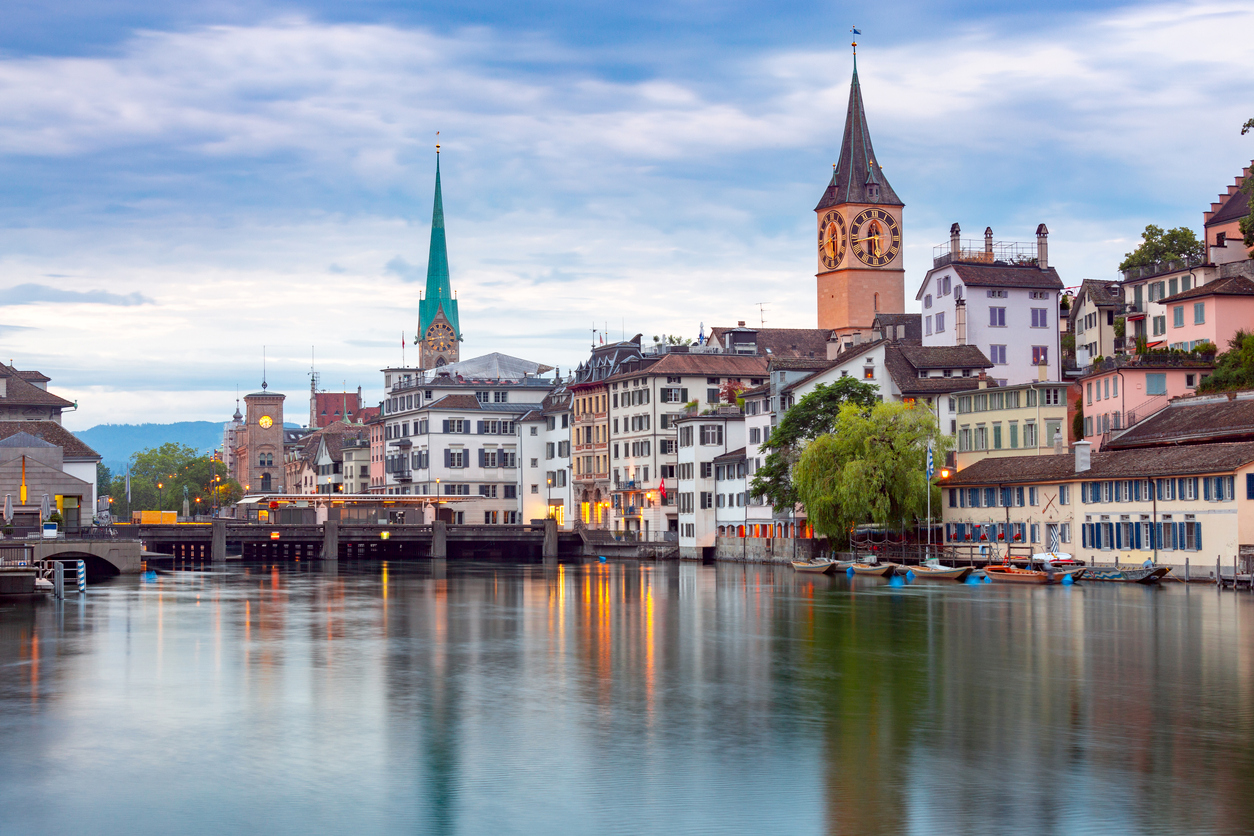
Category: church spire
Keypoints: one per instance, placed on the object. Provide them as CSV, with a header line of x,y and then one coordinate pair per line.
x,y
857,177
439,293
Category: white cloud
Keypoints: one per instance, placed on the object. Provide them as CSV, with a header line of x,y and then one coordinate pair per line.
x,y
572,199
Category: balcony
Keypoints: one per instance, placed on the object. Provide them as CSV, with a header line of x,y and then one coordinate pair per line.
x,y
1001,253
405,475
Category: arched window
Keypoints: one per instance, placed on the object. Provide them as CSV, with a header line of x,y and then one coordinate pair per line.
x,y
261,459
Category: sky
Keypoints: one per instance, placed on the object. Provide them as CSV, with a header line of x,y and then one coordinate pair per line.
x,y
186,187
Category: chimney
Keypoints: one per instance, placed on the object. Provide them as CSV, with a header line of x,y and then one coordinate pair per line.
x,y
1059,447
960,322
1042,247
1083,456
983,379
740,324
988,242
955,244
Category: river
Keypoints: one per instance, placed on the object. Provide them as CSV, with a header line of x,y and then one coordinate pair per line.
x,y
482,698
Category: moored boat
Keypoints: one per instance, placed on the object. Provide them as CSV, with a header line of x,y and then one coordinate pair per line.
x,y
1140,574
1002,573
813,567
934,570
878,569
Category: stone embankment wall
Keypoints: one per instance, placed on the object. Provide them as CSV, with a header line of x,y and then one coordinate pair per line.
x,y
758,549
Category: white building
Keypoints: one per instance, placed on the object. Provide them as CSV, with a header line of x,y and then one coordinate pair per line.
x,y
556,485
702,439
1002,298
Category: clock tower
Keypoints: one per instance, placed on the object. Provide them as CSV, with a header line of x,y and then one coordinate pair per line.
x,y
439,333
860,271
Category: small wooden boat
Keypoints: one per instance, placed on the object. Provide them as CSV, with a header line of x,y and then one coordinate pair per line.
x,y
934,570
1003,573
813,567
1140,574
883,570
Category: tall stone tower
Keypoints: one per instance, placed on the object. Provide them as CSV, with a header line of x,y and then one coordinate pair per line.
x,y
860,270
259,445
439,334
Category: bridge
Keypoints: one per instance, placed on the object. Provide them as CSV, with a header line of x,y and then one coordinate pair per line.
x,y
103,558
334,540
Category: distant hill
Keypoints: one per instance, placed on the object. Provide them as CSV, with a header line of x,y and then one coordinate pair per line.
x,y
116,442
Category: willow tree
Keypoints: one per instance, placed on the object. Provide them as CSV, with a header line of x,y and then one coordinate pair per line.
x,y
869,468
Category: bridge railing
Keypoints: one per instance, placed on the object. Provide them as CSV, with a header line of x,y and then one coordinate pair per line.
x,y
12,555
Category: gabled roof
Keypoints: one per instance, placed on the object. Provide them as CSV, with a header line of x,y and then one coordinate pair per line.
x,y
1100,293
1004,275
53,433
1231,286
458,402
24,440
1193,420
329,407
731,456
714,365
857,169
1115,464
1233,207
19,391
779,342
904,362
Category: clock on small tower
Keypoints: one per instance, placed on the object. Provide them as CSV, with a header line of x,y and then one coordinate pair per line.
x,y
439,344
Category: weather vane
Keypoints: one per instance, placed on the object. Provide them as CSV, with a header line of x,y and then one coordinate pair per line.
x,y
856,31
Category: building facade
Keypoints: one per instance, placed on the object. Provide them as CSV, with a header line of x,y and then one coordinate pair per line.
x,y
259,448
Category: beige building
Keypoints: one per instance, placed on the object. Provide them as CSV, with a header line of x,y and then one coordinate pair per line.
x,y
258,455
1009,421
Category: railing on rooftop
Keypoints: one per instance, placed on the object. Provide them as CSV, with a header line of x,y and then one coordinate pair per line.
x,y
1160,268
1002,253
1153,360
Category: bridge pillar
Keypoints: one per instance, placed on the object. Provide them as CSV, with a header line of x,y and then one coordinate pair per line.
x,y
330,540
550,539
439,539
217,550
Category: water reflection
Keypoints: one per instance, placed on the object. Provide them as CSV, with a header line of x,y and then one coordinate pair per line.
x,y
628,698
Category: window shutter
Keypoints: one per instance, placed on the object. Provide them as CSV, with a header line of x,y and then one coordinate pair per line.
x,y
1084,535
1179,535
683,396
1153,536
448,454
1179,488
1249,486
1136,490
446,427
482,454
479,428
1118,535
1136,535
1197,542
1206,491
1097,535
466,427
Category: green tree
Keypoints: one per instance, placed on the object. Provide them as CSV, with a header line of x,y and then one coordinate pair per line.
x,y
104,478
1077,422
1234,369
159,474
1158,245
1246,224
812,416
869,468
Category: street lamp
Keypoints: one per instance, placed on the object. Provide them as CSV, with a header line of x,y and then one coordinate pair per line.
x,y
550,496
437,498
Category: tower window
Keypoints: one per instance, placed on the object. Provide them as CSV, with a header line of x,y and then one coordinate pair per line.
x,y
877,302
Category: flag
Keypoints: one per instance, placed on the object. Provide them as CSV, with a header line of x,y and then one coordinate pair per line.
x,y
930,468
855,30
663,489
128,484
701,335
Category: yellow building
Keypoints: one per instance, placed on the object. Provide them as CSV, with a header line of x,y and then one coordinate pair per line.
x,y
1018,420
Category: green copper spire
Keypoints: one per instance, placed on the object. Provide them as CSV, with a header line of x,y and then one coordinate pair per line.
x,y
439,293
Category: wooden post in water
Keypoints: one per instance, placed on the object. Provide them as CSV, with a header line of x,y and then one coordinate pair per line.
x,y
1186,570
1219,578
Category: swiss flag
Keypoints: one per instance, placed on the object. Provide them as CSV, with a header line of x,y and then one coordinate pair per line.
x,y
663,490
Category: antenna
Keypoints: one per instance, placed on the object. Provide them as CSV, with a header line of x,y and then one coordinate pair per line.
x,y
313,375
762,312
594,335
263,368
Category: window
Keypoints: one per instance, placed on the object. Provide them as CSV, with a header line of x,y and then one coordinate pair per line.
x,y
1040,354
707,499
997,353
707,470
755,435
940,322
927,301
868,373
1029,434
1199,313
927,326
998,294
711,433
997,436
1160,325
1177,316
711,395
481,397
1040,318
996,316
500,397
1156,384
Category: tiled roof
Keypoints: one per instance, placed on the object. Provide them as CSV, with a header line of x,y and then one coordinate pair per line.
x,y
1231,286
944,356
731,456
1114,464
781,342
53,433
720,365
34,376
26,440
1235,207
369,414
1007,275
913,323
459,402
329,406
19,391
799,364
1192,420
1104,294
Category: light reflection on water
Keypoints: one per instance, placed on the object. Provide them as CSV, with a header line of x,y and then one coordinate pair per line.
x,y
622,698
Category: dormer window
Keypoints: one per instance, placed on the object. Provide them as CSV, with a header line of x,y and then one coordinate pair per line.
x,y
873,191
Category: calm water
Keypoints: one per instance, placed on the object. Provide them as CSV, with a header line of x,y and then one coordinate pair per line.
x,y
623,698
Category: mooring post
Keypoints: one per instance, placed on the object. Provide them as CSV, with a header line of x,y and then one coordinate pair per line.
x,y
550,538
58,579
1186,570
1219,578
439,539
217,535
330,540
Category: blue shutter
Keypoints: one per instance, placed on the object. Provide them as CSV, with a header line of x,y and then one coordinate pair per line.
x,y
1084,493
448,454
1249,486
445,425
1118,535
1206,491
1020,497
1153,536
1197,530
1179,535
482,453
1179,488
479,428
466,427
1138,535
1136,490
1158,487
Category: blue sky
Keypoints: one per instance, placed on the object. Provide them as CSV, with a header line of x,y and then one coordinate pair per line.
x,y
182,184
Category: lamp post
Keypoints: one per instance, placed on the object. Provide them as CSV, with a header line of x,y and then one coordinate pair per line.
x,y
549,509
437,498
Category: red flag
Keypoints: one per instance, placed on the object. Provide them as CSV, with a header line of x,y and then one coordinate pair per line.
x,y
664,490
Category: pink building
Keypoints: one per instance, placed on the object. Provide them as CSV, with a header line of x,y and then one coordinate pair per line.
x,y
1122,391
1211,313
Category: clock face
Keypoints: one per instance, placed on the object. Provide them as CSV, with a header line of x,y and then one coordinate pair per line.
x,y
875,237
266,422
440,337
831,239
